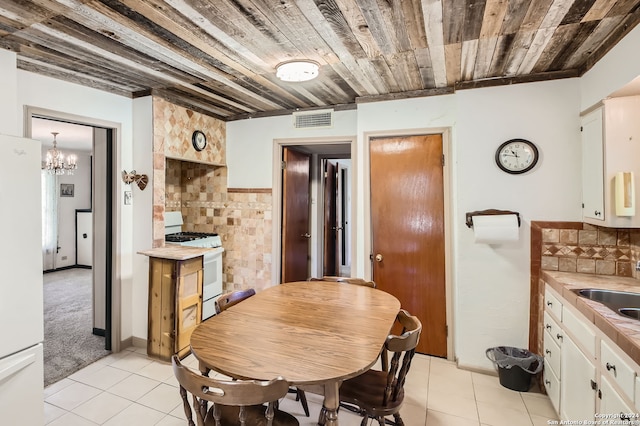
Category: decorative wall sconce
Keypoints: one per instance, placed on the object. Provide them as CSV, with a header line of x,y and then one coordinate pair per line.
x,y
140,180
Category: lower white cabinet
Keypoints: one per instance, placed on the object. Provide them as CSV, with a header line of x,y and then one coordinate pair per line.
x,y
619,371
552,354
592,377
579,386
612,404
552,385
552,358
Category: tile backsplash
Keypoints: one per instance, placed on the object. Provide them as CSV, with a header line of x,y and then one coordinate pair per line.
x,y
581,248
195,183
591,250
242,218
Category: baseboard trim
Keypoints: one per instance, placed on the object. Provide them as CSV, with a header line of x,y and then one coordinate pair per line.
x,y
124,344
474,369
138,342
65,268
99,332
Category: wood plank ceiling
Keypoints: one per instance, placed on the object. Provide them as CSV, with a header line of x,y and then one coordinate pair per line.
x,y
219,56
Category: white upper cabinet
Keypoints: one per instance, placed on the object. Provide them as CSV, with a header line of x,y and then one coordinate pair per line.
x,y
610,144
592,167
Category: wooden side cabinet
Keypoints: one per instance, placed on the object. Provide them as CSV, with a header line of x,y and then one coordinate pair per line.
x,y
175,305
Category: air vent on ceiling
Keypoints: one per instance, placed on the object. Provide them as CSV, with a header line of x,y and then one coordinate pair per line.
x,y
313,119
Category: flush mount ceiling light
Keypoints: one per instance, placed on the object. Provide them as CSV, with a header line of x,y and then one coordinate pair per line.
x,y
297,71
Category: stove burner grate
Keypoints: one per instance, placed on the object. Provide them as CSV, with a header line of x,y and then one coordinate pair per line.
x,y
180,237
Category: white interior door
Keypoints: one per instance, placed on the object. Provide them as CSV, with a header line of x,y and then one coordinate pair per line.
x,y
84,238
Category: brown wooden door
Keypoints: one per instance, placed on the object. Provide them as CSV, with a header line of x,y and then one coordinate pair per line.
x,y
330,266
407,219
295,216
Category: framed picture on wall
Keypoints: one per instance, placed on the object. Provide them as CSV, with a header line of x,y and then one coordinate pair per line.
x,y
66,190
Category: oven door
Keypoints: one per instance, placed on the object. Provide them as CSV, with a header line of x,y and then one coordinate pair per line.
x,y
212,281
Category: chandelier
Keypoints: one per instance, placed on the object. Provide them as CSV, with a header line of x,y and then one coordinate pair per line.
x,y
55,163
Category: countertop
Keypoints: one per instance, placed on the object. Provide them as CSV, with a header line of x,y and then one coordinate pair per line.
x,y
178,252
625,332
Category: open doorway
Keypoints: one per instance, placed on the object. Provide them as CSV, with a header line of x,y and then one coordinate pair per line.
x,y
335,214
77,243
330,228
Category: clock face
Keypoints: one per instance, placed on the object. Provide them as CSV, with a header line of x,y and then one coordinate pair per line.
x,y
517,156
199,140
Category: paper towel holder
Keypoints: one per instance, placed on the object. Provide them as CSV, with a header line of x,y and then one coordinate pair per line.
x,y
488,212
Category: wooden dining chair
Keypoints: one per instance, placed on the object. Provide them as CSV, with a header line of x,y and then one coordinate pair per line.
x,y
377,394
347,280
234,403
226,301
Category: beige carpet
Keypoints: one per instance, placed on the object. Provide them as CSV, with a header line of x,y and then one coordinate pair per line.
x,y
69,344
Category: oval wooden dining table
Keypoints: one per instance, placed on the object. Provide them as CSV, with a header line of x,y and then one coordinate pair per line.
x,y
312,333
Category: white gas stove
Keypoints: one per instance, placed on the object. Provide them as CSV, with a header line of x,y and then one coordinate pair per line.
x,y
173,233
212,259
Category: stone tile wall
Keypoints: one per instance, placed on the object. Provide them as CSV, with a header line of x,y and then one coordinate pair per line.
x,y
195,183
581,248
173,126
242,218
591,250
247,238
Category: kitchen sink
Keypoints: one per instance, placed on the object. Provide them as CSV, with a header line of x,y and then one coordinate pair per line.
x,y
622,302
630,312
620,298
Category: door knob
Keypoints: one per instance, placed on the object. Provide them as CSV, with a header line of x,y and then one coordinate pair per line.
x,y
378,257
306,235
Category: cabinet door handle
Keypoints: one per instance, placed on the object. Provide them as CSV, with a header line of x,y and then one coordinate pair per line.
x,y
547,351
559,336
547,382
549,303
548,326
597,213
611,367
594,385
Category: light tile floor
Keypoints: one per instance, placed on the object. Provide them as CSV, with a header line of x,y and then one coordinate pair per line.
x,y
130,389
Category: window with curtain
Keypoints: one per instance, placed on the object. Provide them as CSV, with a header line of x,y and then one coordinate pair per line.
x,y
49,220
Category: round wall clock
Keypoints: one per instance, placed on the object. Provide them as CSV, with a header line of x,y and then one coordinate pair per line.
x,y
517,156
199,140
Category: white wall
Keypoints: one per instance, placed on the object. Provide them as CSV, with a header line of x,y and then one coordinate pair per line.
x,y
142,213
383,118
56,95
250,145
618,67
9,124
490,284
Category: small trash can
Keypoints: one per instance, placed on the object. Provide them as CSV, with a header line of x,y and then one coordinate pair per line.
x,y
515,366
